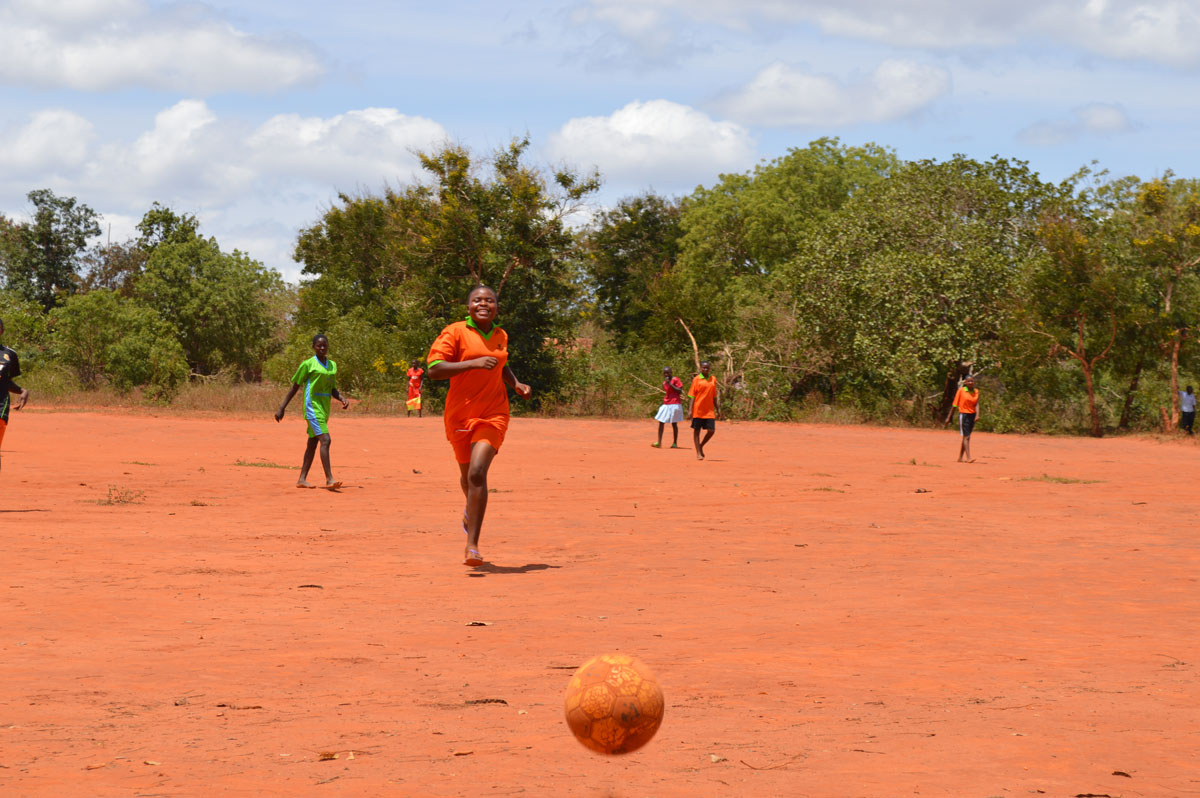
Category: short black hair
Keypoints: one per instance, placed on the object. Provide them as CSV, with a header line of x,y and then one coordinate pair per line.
x,y
479,286
318,337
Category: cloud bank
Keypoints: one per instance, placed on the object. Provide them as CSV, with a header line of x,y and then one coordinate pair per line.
x,y
656,142
782,96
102,45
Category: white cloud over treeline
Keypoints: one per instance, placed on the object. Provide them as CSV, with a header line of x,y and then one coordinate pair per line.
x,y
101,45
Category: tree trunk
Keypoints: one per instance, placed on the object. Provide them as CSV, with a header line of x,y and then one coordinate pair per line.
x,y
1128,408
1175,379
1091,391
950,388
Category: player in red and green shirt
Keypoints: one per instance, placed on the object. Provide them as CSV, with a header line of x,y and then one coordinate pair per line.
x,y
705,407
318,377
473,355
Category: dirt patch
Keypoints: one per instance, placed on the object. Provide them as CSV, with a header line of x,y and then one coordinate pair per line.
x,y
825,618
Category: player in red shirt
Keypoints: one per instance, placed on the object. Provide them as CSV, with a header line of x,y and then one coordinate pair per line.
x,y
671,410
414,389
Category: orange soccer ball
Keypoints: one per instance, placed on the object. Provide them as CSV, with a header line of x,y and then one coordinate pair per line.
x,y
614,704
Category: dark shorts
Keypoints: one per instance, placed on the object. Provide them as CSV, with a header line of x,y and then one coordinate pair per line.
x,y
704,423
966,423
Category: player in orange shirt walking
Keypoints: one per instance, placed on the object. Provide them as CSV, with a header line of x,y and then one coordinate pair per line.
x,y
967,403
705,407
473,355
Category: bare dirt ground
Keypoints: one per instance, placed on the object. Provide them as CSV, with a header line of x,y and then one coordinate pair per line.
x,y
831,611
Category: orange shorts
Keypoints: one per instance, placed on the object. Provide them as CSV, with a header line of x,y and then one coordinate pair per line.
x,y
3,426
463,440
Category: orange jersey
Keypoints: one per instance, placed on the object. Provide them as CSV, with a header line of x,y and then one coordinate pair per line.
x,y
704,396
966,401
477,396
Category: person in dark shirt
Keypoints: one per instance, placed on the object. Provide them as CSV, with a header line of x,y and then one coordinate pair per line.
x,y
10,369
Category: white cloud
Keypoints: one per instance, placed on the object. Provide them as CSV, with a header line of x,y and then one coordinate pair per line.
x,y
51,142
782,96
1097,119
1159,31
656,142
251,186
96,45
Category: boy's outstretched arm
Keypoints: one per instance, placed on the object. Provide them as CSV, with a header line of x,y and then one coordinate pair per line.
x,y
345,404
286,399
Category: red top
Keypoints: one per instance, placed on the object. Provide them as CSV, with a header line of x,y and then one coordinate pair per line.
x,y
414,381
673,388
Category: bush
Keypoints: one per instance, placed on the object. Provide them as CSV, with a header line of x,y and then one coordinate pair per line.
x,y
101,335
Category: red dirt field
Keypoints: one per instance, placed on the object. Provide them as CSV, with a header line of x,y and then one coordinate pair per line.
x,y
831,611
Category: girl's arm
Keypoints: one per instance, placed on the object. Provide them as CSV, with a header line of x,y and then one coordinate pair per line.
x,y
286,399
446,369
334,393
511,381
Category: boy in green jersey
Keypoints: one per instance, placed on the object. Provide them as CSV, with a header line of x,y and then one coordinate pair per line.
x,y
318,377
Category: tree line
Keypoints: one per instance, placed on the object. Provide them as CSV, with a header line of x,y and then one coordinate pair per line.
x,y
833,279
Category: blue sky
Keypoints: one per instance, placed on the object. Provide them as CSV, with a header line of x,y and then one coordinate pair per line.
x,y
253,115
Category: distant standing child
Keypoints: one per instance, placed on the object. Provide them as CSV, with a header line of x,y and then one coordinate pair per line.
x,y
10,369
705,407
473,355
966,401
318,376
1187,409
414,389
671,410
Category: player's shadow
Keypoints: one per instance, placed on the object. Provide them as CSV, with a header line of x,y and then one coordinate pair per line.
x,y
25,511
492,568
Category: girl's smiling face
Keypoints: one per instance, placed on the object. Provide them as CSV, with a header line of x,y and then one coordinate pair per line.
x,y
482,306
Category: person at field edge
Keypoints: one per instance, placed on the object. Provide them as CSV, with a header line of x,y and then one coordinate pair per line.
x,y
966,401
1187,409
705,407
10,369
671,410
473,355
415,374
318,376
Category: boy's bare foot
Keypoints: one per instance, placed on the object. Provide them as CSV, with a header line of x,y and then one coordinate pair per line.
x,y
472,557
332,485
304,483
699,455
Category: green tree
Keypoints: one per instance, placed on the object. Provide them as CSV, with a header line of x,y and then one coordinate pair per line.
x,y
627,252
41,258
221,306
408,258
102,335
907,285
1162,221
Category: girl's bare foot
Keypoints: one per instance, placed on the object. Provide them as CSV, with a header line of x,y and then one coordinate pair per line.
x,y
304,483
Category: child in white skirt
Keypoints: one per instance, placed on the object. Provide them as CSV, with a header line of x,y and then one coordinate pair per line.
x,y
671,410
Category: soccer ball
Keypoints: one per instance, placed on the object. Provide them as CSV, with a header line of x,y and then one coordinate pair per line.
x,y
614,704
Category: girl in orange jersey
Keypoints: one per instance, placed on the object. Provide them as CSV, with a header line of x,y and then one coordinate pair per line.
x,y
473,355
